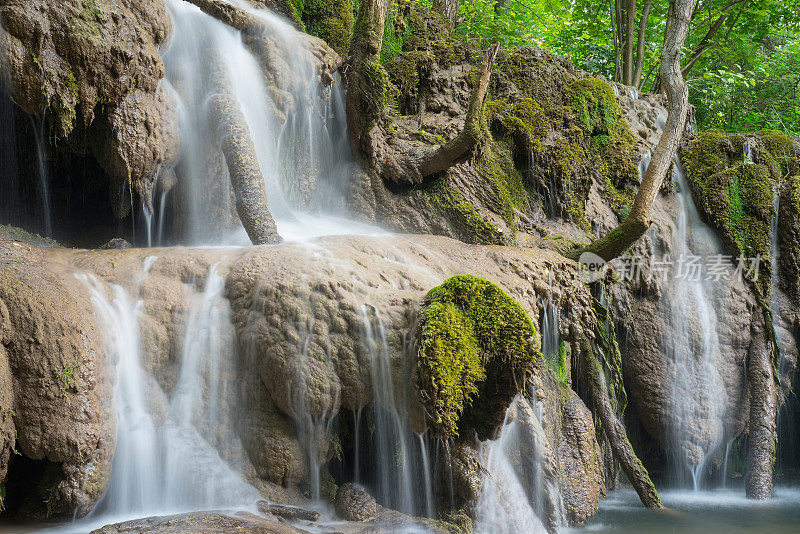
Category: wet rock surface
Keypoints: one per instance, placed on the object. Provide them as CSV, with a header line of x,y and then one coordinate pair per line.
x,y
202,523
67,58
353,503
55,385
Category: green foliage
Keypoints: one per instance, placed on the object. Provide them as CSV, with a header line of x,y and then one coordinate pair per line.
x,y
66,381
328,20
468,325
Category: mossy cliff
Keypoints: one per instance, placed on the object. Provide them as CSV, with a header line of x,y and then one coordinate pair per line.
x,y
736,192
476,346
549,134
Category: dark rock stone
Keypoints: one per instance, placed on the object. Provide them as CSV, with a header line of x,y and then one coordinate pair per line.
x,y
290,513
116,244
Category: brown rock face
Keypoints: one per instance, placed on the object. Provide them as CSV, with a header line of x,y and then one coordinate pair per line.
x,y
53,375
94,67
579,462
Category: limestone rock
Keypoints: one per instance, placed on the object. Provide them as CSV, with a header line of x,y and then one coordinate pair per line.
x,y
353,503
73,58
580,467
55,397
201,523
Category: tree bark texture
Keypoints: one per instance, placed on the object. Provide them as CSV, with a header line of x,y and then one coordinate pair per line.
x,y
237,146
763,410
616,434
621,238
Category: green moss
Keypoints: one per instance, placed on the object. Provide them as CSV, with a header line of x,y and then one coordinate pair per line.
x,y
470,328
408,72
610,139
18,234
468,221
375,90
735,195
457,522
330,21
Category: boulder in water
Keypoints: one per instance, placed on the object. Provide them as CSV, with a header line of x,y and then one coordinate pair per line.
x,y
201,523
353,503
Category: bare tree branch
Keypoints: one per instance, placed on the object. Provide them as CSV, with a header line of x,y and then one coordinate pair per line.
x,y
621,238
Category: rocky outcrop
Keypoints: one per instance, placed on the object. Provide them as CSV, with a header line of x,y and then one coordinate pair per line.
x,y
580,468
202,523
93,67
55,387
300,320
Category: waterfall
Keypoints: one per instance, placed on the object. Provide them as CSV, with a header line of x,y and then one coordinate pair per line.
x,y
163,463
513,501
298,129
551,337
644,164
692,344
403,475
747,151
44,180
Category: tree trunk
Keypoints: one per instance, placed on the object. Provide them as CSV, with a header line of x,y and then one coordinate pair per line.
x,y
621,238
640,45
449,10
418,165
630,23
763,404
237,146
616,434
366,92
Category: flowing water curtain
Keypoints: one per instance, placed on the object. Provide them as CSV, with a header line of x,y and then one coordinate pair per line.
x,y
169,466
692,344
296,123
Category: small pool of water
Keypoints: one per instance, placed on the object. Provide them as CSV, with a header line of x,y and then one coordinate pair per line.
x,y
705,512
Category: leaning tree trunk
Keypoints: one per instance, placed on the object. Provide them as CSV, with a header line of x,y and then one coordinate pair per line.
x,y
233,136
367,91
449,10
616,434
638,221
763,403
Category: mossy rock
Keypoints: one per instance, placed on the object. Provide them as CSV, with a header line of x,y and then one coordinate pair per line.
x,y
736,195
330,21
476,347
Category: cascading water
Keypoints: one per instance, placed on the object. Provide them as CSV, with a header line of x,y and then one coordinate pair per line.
x,y
44,181
512,501
297,126
645,163
164,464
692,343
402,472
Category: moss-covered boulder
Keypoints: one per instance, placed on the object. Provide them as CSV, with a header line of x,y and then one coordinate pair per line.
x,y
476,347
735,179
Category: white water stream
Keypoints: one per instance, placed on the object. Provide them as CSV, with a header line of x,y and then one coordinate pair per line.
x,y
297,126
163,462
692,343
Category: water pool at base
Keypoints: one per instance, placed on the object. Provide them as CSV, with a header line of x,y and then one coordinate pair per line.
x,y
705,512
